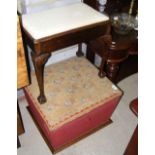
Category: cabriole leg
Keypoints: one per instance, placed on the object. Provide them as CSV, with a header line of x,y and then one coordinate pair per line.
x,y
39,63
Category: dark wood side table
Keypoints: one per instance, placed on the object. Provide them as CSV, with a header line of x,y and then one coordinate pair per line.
x,y
111,7
113,49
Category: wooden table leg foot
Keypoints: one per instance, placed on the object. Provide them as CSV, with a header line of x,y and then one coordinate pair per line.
x,y
101,73
41,99
79,53
39,63
112,70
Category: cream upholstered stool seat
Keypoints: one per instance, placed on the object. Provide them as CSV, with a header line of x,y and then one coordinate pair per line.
x,y
57,20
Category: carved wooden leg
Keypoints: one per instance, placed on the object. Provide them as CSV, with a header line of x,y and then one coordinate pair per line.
x,y
39,63
112,70
79,53
101,73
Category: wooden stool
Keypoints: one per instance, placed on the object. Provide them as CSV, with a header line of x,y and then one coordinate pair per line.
x,y
57,28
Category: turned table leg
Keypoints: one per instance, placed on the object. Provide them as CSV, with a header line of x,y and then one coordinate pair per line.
x,y
112,70
39,63
79,53
101,73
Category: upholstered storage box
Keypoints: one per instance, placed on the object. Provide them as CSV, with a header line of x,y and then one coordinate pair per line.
x,y
78,101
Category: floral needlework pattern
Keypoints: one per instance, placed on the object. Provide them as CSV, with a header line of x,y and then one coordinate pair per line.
x,y
72,88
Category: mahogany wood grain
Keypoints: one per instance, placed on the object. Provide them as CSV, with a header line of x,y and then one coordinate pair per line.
x,y
134,106
39,63
101,73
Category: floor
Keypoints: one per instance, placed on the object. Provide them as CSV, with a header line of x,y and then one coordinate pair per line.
x,y
111,140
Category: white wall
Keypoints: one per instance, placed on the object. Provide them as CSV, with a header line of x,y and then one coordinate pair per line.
x,y
30,6
39,5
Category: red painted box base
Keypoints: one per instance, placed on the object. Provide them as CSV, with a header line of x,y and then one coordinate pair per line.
x,y
78,101
76,128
